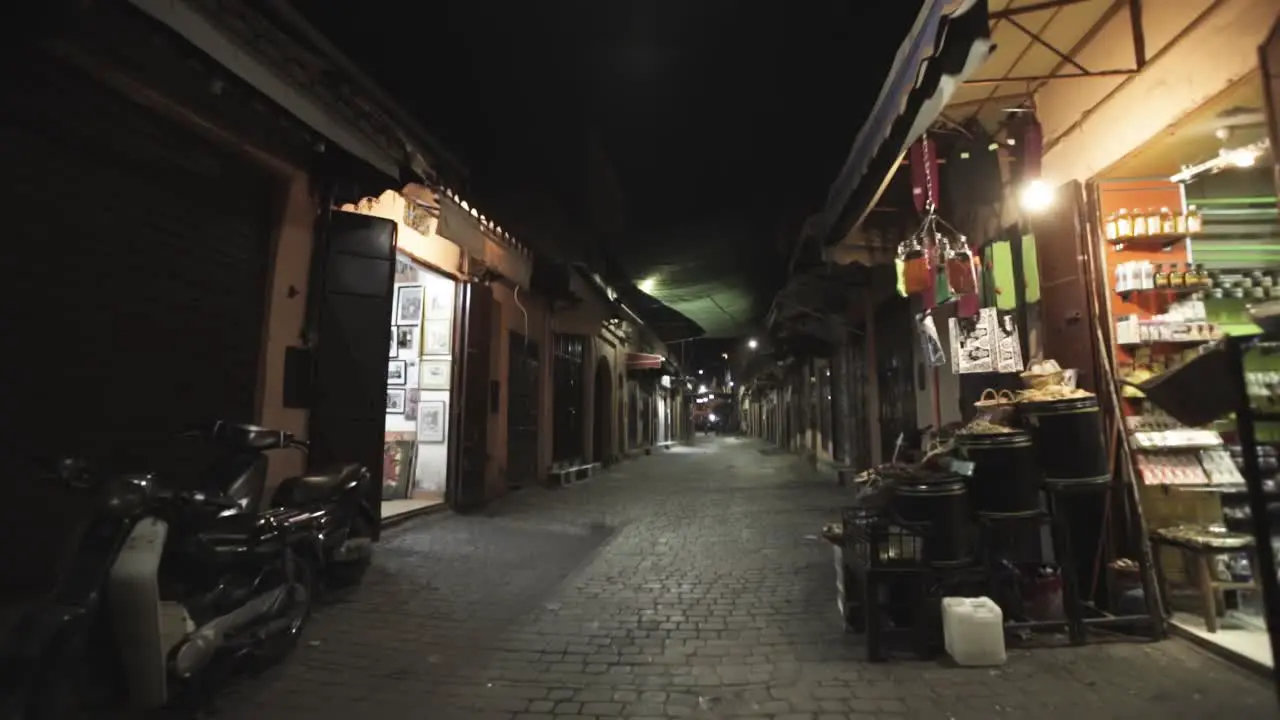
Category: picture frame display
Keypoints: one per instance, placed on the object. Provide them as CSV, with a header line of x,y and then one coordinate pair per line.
x,y
409,300
431,421
395,401
397,372
437,337
434,374
406,337
395,351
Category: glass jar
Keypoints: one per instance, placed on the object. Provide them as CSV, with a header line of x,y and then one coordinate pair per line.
x,y
915,266
1161,279
1139,223
1154,221
1109,227
1124,224
1195,223
960,273
1168,226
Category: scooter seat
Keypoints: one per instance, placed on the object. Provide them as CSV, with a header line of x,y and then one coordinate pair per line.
x,y
318,484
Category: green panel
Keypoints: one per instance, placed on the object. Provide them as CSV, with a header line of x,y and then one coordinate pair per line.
x,y
1031,268
1241,221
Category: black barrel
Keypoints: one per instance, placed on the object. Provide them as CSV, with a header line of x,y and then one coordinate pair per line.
x,y
940,506
1069,441
1006,477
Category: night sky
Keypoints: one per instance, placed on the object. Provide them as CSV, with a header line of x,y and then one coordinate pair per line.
x,y
684,140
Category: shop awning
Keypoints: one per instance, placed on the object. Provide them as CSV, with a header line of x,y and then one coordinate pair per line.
x,y
948,42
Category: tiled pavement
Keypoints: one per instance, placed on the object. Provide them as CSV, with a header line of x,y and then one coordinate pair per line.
x,y
686,584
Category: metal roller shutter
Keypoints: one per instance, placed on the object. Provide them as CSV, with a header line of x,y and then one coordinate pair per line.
x,y
137,253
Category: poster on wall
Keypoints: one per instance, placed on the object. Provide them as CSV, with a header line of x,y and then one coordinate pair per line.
x,y
439,299
435,337
396,372
431,421
406,337
434,375
973,343
408,305
395,401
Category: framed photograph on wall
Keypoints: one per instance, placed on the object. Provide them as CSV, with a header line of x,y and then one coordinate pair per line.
x,y
434,374
395,401
411,404
397,461
431,421
408,305
436,337
397,374
406,337
394,349
439,299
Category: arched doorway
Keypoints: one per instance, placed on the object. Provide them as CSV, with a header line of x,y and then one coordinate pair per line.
x,y
603,412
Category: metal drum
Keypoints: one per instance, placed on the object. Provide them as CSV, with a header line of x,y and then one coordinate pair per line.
x,y
1006,479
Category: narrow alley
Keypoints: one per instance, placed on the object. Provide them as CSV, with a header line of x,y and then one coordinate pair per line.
x,y
685,584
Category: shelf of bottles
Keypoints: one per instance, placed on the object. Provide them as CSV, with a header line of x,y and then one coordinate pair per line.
x,y
1151,227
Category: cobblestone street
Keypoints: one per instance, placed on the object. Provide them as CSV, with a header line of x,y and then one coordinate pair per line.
x,y
686,584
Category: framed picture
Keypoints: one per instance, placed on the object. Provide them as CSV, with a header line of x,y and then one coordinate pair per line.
x,y
436,337
408,305
396,372
394,350
395,401
411,404
397,462
434,374
431,421
406,337
439,299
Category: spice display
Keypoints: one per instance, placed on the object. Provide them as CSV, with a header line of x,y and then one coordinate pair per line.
x,y
1139,224
1168,226
1043,374
1050,393
1155,221
985,427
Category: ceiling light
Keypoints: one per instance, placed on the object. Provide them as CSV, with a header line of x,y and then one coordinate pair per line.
x,y
1036,196
648,284
1241,157
753,344
699,372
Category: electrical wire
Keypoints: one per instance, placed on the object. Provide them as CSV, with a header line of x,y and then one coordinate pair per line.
x,y
525,313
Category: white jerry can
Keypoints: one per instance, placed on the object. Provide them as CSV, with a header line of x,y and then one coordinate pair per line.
x,y
973,631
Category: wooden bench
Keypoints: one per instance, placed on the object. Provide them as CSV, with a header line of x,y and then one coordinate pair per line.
x,y
571,473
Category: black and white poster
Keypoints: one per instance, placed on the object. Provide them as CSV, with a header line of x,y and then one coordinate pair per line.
x,y
408,305
973,347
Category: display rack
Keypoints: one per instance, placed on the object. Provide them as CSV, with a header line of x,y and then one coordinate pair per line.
x,y
1259,497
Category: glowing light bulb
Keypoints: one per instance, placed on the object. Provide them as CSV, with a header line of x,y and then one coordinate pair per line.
x,y
1036,196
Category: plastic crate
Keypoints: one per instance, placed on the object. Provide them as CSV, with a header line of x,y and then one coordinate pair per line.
x,y
873,541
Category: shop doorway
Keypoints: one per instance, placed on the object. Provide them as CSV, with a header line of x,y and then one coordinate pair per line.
x,y
522,411
419,382
895,338
601,418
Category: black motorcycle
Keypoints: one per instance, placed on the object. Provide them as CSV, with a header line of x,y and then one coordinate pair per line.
x,y
167,588
336,498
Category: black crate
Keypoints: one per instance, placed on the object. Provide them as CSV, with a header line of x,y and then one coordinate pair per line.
x,y
873,541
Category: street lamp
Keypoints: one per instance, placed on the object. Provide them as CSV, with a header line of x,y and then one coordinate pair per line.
x,y
753,344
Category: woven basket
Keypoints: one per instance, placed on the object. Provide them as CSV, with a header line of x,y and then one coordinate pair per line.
x,y
996,405
1037,381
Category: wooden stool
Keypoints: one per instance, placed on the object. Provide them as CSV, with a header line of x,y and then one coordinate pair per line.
x,y
1197,554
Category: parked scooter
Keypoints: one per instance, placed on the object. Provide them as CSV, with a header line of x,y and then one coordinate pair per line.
x,y
166,588
335,498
